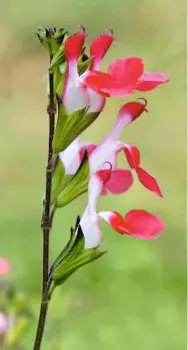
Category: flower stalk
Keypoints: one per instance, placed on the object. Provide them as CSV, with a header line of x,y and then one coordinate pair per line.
x,y
46,221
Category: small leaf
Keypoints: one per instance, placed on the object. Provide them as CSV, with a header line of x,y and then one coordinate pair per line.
x,y
70,126
77,186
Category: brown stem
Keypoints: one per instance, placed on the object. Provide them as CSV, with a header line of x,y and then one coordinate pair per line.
x,y
46,221
42,319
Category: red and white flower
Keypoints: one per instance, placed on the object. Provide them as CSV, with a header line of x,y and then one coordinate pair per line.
x,y
136,223
125,75
107,152
76,95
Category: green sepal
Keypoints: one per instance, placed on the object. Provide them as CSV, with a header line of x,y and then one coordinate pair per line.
x,y
57,40
59,179
70,126
61,257
51,39
74,247
83,65
58,81
42,36
59,58
77,185
72,258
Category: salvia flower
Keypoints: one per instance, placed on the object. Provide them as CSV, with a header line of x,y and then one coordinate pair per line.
x,y
82,90
5,266
107,152
76,95
136,223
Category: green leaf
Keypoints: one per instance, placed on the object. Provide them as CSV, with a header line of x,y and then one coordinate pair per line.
x,y
70,126
77,186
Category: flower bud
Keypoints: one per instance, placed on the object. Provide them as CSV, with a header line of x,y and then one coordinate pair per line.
x,y
51,39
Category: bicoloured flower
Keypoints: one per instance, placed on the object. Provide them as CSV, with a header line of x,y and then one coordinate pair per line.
x,y
79,105
136,223
107,152
5,266
124,76
103,154
76,95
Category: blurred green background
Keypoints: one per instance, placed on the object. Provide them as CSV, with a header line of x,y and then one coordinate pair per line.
x,y
135,296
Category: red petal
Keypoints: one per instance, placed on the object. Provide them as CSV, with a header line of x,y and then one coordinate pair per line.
x,y
115,220
126,70
134,109
132,154
73,46
99,47
143,224
97,81
104,175
120,181
148,181
90,147
149,81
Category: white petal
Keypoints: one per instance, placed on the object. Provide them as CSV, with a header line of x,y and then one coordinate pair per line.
x,y
90,220
106,148
75,97
96,102
71,158
91,230
75,94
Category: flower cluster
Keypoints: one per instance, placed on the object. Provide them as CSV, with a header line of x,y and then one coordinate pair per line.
x,y
82,91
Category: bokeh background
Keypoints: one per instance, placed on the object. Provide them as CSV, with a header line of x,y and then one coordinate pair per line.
x,y
135,296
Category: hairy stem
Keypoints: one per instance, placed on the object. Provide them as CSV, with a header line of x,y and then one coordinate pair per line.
x,y
46,221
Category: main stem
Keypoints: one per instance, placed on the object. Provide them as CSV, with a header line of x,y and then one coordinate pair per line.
x,y
46,221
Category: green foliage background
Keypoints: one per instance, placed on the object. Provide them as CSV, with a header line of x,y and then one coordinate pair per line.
x,y
135,296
